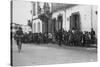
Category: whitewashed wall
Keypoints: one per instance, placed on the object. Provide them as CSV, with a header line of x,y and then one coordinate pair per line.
x,y
55,15
85,17
95,19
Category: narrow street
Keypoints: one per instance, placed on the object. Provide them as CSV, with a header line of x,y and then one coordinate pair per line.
x,y
33,54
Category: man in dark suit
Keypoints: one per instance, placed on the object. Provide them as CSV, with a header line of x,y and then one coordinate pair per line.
x,y
19,36
60,37
92,36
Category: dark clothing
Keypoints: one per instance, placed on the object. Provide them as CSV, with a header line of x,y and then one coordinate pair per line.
x,y
18,38
92,36
60,37
19,32
19,35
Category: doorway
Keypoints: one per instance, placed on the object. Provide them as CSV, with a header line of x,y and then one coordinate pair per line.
x,y
75,21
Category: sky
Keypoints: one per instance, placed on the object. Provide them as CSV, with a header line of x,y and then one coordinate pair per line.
x,y
21,11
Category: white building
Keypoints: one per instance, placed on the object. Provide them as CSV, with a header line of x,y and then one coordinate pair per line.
x,y
37,24
26,28
82,17
86,17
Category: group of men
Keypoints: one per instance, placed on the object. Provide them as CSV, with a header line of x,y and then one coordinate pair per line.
x,y
76,37
72,37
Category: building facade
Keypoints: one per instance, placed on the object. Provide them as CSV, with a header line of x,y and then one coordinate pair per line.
x,y
80,17
38,25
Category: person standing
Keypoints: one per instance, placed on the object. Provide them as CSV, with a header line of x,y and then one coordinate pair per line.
x,y
19,36
92,35
60,37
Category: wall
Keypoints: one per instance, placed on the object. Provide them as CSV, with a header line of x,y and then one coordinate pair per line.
x,y
95,19
55,15
87,17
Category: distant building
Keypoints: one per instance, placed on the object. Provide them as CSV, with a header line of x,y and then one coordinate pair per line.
x,y
15,27
26,29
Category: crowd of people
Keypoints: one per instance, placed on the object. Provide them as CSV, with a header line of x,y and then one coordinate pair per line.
x,y
69,38
76,37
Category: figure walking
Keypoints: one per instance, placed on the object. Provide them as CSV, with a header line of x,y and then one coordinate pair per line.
x,y
19,36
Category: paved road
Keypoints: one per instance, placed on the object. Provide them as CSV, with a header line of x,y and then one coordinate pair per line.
x,y
33,54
